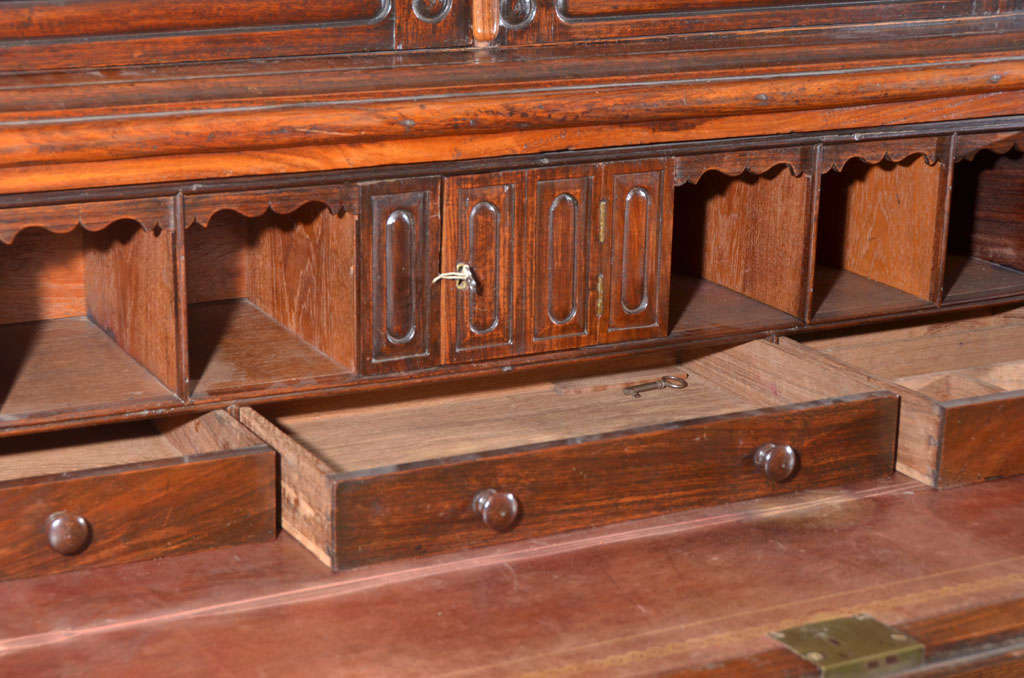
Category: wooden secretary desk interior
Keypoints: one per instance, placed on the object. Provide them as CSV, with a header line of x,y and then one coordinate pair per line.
x,y
380,271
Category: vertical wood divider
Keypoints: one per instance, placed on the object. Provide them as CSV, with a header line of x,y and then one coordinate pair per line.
x,y
181,296
947,156
810,262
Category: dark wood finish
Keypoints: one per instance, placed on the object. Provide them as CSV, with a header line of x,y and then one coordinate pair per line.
x,y
40,34
715,225
562,256
200,208
423,24
978,440
399,247
485,227
635,214
213,486
186,122
581,484
561,20
560,449
142,514
987,209
834,157
67,533
799,159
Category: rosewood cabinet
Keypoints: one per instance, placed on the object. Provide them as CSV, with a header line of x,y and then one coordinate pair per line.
x,y
399,236
484,228
433,250
530,261
564,283
635,232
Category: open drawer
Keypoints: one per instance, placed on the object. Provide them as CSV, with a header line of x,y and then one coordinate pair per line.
x,y
369,481
961,385
116,494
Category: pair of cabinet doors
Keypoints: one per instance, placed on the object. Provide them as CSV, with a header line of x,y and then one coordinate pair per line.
x,y
561,258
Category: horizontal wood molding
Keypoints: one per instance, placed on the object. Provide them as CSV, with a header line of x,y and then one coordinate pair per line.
x,y
186,131
149,213
461,148
199,209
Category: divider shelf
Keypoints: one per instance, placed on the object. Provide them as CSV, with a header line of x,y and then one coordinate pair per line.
x,y
985,258
271,300
86,322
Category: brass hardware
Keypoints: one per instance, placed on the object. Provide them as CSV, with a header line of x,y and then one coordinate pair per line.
x,y
779,462
600,295
853,646
463,276
664,382
602,221
498,510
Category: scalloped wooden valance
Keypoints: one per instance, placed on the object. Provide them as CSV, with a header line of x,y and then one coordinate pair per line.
x,y
149,213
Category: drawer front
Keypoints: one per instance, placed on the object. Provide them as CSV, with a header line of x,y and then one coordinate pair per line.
x,y
981,439
611,478
137,513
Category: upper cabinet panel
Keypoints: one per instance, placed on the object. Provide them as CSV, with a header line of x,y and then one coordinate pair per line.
x,y
527,21
44,34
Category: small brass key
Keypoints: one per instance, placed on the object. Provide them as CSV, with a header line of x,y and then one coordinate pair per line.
x,y
664,382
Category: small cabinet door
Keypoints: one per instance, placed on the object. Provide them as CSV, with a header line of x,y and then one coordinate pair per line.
x,y
483,230
561,269
399,255
635,224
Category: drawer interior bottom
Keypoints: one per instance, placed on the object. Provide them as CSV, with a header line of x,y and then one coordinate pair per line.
x,y
103,447
352,436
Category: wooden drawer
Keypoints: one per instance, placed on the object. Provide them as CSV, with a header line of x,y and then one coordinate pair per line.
x,y
961,385
116,494
369,481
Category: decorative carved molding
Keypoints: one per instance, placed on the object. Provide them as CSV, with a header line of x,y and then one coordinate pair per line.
x,y
969,145
422,10
517,14
836,156
199,209
149,213
690,168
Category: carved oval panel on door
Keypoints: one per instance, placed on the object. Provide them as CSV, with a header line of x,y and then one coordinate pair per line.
x,y
484,230
560,267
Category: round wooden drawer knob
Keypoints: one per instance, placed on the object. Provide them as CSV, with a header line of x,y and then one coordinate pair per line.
x,y
779,462
69,534
498,510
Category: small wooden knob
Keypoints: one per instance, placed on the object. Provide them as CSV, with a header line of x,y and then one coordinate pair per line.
x,y
498,510
779,462
69,534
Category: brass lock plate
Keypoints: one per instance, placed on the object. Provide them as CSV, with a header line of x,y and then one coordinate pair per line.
x,y
853,646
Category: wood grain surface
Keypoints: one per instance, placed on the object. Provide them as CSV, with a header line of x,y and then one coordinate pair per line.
x,y
581,483
683,594
142,514
750,234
